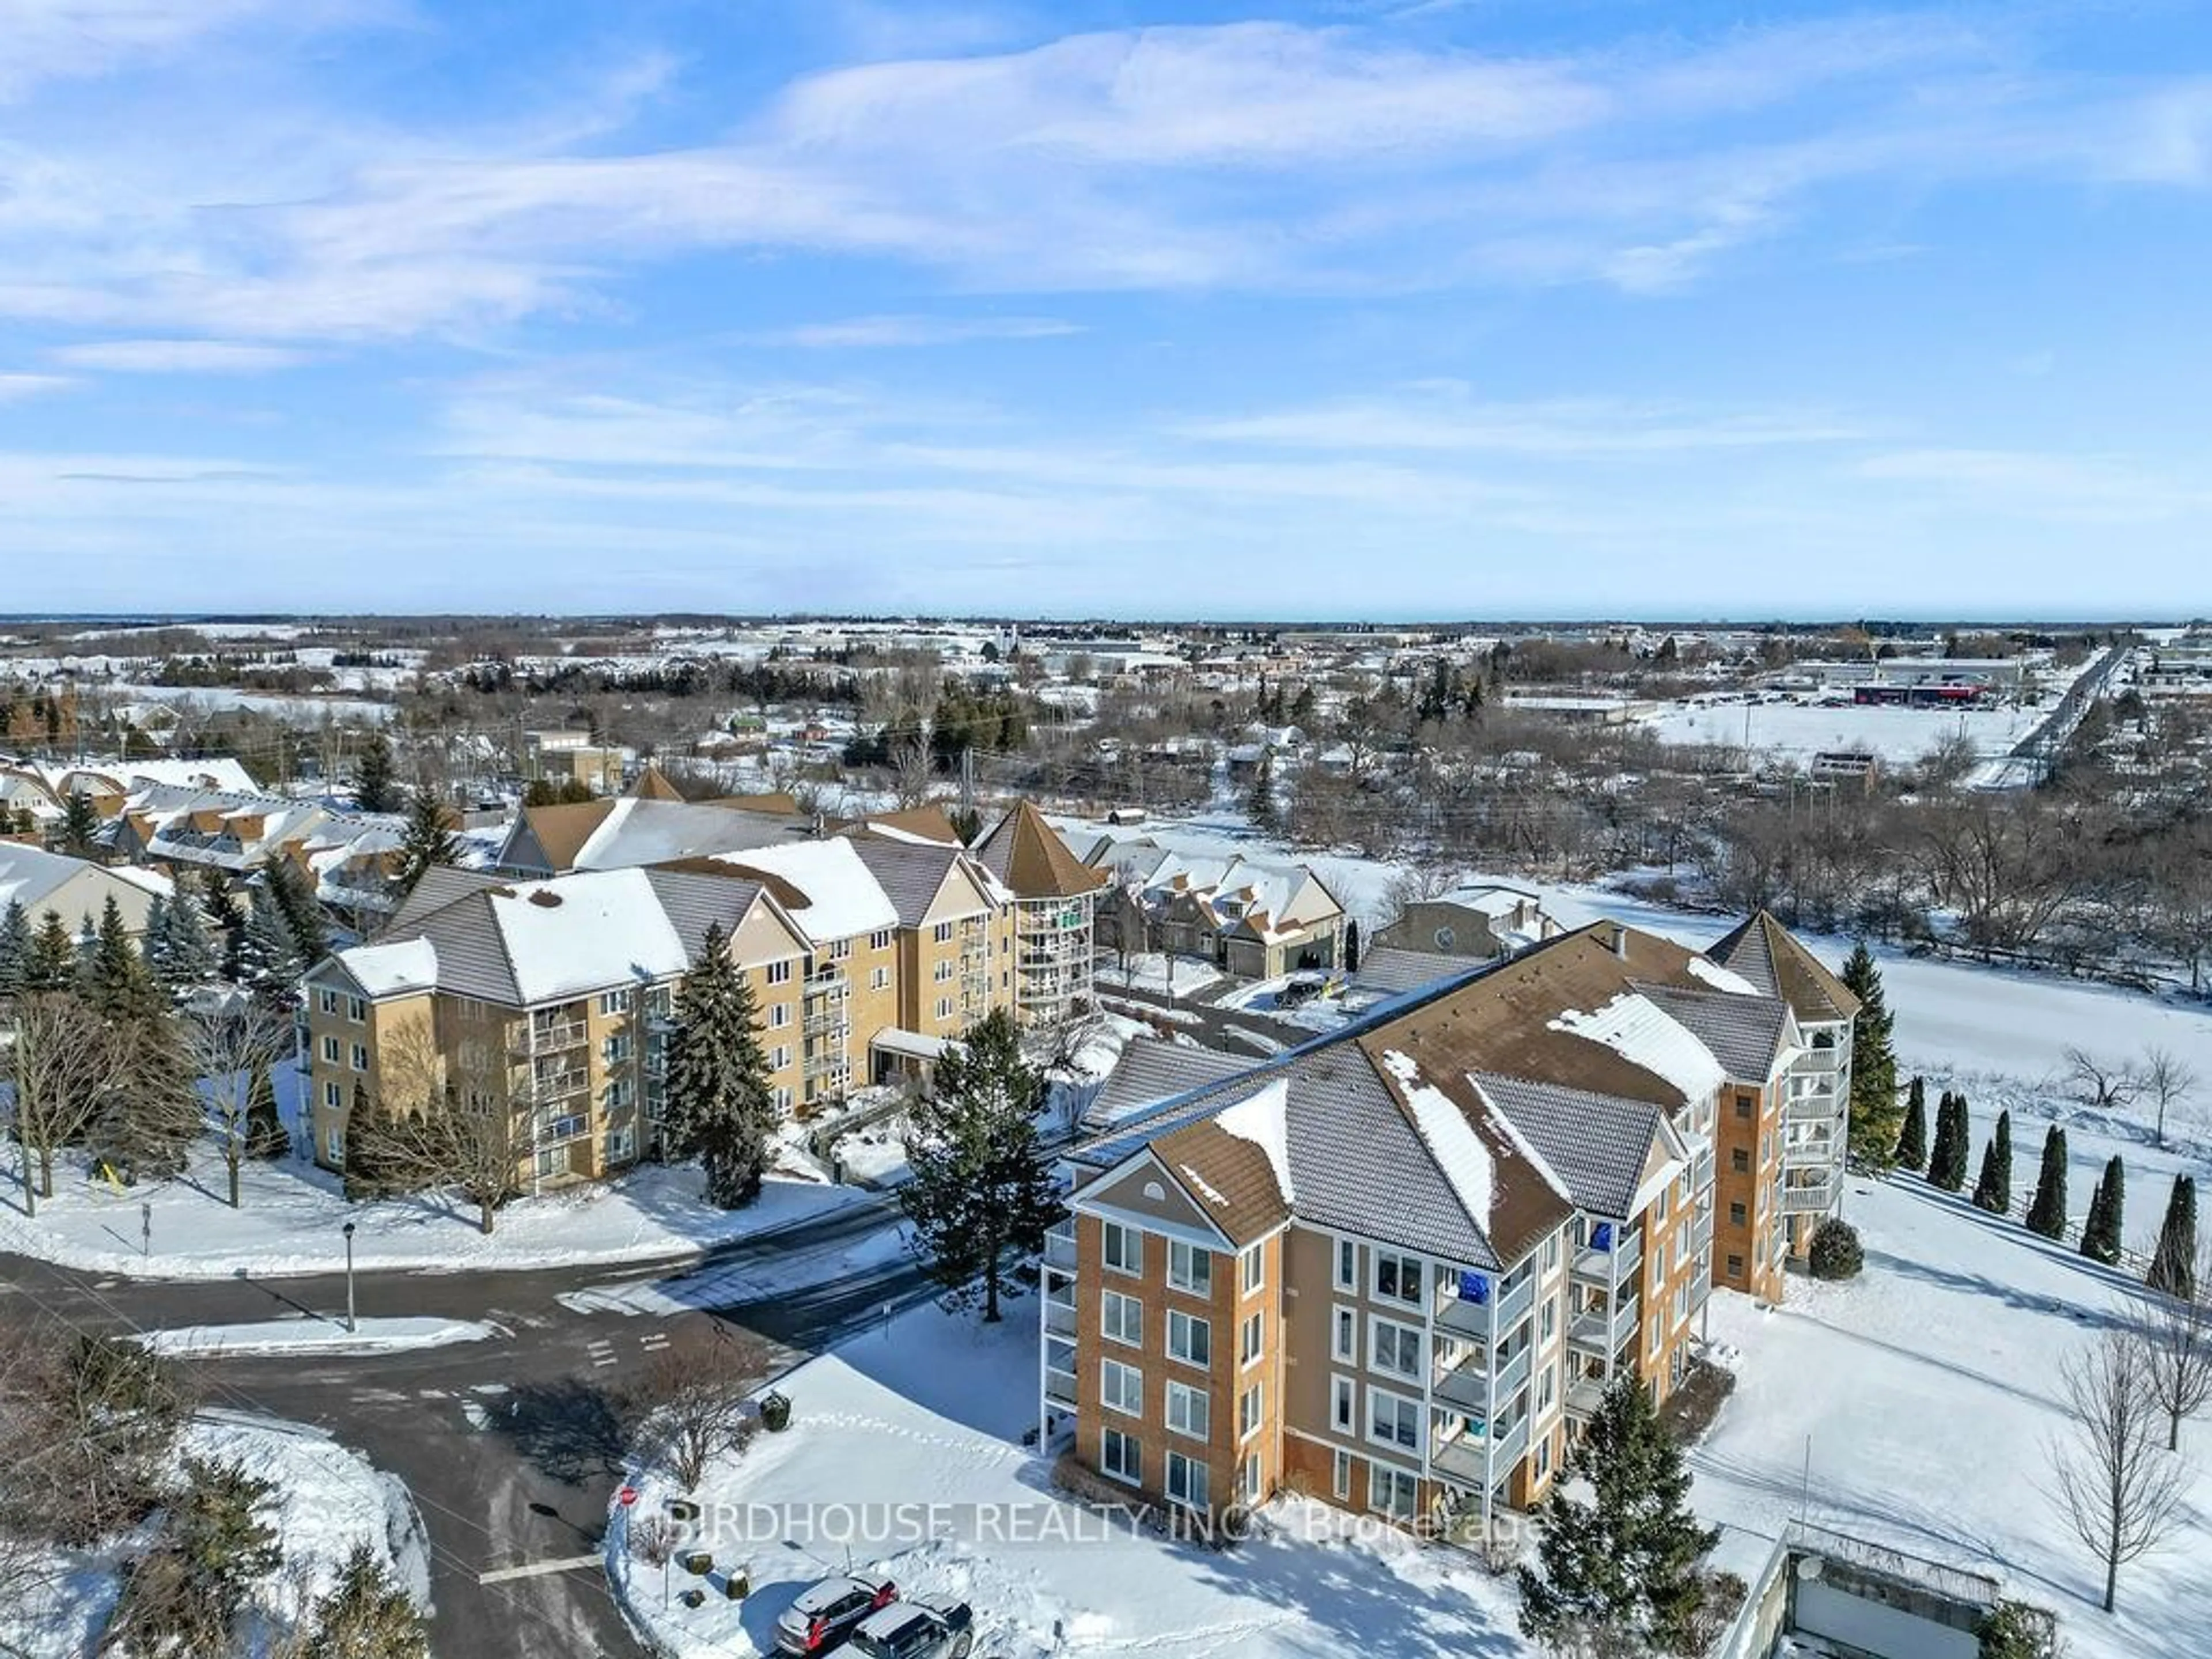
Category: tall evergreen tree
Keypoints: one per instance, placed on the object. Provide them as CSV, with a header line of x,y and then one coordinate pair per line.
x,y
367,1615
430,838
1876,1116
1351,946
1623,1572
1913,1139
188,956
51,962
2173,1263
78,835
1946,1166
1260,804
295,902
266,1137
14,948
226,918
721,1109
116,981
270,960
1993,1188
2047,1214
2101,1233
155,938
376,789
982,1194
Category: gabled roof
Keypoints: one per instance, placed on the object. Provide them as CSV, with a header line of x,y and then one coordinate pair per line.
x,y
927,822
912,873
439,886
1598,1146
551,836
653,784
1028,856
837,895
1765,953
1229,1176
1393,968
1154,1069
1747,1034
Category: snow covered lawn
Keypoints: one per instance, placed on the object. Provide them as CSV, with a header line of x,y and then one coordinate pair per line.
x,y
328,1500
931,1411
1148,970
1799,731
303,1334
293,1216
1926,1390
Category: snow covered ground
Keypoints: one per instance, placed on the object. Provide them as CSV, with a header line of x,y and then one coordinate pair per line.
x,y
302,1334
1927,1389
931,1411
328,1501
293,1215
1148,970
1797,731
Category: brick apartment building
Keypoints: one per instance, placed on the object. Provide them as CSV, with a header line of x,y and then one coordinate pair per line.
x,y
1396,1267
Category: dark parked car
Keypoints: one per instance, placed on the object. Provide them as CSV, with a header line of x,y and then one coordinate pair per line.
x,y
826,1614
917,1630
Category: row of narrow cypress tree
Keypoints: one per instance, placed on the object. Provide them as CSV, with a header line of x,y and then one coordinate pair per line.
x,y
1943,1161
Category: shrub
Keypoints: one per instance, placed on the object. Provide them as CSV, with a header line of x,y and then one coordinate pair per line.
x,y
1835,1253
2014,1630
775,1413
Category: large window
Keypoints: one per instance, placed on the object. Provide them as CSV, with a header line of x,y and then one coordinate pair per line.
x,y
1186,1480
1190,1268
1397,1278
1122,1247
1393,1420
1347,1265
1189,1340
1121,1318
1249,1413
1120,1388
1394,1348
1252,1268
1120,1455
1341,1396
1344,1340
1190,1411
1393,1492
1251,1336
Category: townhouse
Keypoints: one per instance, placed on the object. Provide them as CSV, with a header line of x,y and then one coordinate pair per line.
x,y
1252,919
1396,1267
1476,919
76,889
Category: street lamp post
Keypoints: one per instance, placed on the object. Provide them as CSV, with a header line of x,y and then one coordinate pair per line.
x,y
351,1325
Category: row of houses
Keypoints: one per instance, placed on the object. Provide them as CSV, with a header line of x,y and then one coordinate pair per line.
x,y
867,948
1396,1267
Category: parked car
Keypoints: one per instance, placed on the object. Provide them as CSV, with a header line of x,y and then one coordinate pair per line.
x,y
826,1614
917,1630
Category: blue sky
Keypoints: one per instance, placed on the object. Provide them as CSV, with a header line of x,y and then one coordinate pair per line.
x,y
1351,308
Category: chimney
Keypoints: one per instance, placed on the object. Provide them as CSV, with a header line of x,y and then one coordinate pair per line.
x,y
1621,941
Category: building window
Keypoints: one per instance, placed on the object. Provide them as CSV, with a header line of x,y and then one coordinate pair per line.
x,y
357,1010
1340,1477
1393,1348
1190,1411
1249,1413
782,1094
1397,1278
1252,1268
334,1145
1340,1404
1251,1340
1189,1340
1186,1480
942,933
360,1057
944,1007
779,1015
1121,1319
615,1049
1740,1160
1545,1383
333,1050
1551,1252
327,1002
839,949
1348,1264
1122,1247
1543,1457
1744,1104
1248,1479
1120,1456
779,973
1547,1321
333,1097
779,1057
880,939
616,1002
1735,1267
1120,1388
621,1143
943,971
621,1094
1345,1343
1736,1215
1393,1492
879,979
1189,1269
1393,1420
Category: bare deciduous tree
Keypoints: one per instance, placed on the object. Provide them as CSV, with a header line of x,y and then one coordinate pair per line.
x,y
2106,1084
63,1064
230,1048
2112,1482
452,1126
2175,1337
691,1401
2168,1081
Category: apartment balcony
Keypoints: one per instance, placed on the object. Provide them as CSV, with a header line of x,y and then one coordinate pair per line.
x,y
547,1036
1821,1108
1583,1395
1625,1255
1043,920
1701,1170
558,1131
1475,1459
830,1021
1814,1197
1462,1316
568,1084
1812,1151
1820,1062
1473,1386
1701,1229
1059,1319
837,1067
1059,1247
1060,1388
1604,1331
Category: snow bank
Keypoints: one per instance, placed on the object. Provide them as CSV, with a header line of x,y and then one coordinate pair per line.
x,y
302,1334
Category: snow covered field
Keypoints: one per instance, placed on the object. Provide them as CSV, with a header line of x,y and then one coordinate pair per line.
x,y
931,1413
293,1216
1800,731
328,1500
1148,970
1928,1390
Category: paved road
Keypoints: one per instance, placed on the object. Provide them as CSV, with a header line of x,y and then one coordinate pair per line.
x,y
508,1445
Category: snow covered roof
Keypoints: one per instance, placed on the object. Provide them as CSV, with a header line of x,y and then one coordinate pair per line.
x,y
1640,1031
386,970
838,896
638,831
30,876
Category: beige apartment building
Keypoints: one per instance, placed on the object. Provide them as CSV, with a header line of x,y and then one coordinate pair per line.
x,y
1396,1269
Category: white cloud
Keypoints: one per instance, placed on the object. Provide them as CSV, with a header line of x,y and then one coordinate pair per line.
x,y
911,331
178,356
14,388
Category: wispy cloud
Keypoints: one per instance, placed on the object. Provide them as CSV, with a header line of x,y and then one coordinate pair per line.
x,y
14,388
913,331
179,356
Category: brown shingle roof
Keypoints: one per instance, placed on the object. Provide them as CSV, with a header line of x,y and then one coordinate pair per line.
x,y
929,823
1227,1177
653,784
1767,954
1027,853
561,831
